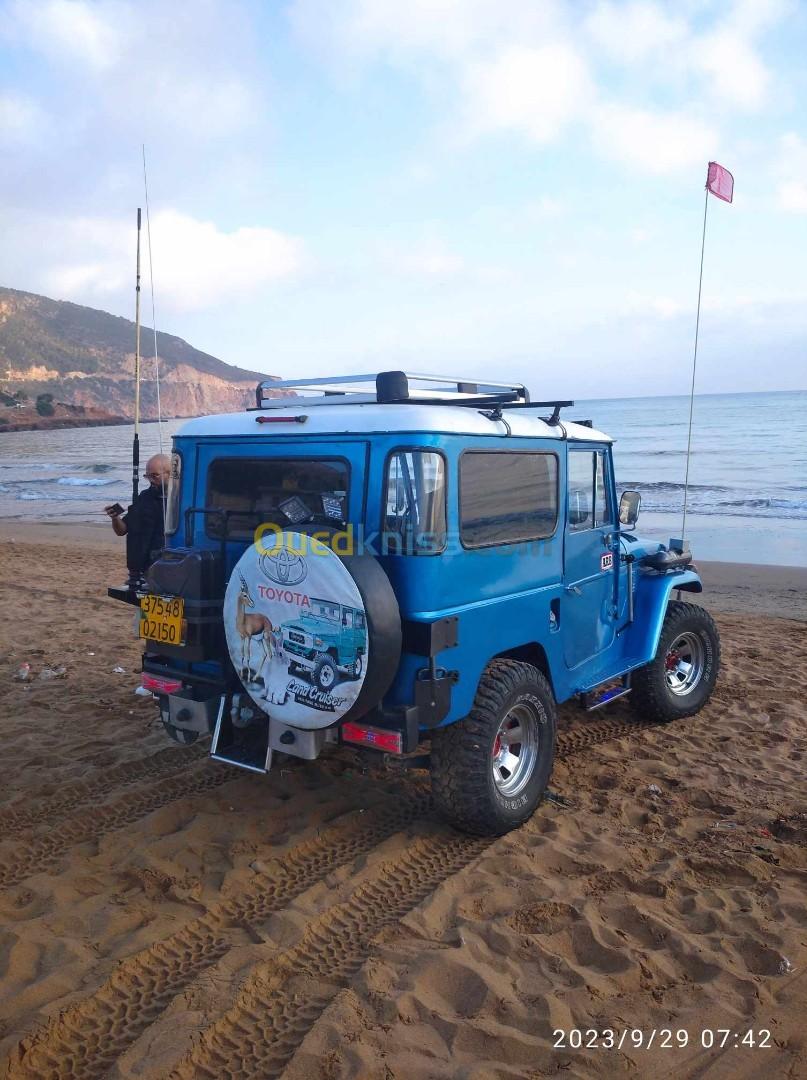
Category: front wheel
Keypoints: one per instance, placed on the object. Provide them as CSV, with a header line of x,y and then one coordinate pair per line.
x,y
489,770
325,673
680,678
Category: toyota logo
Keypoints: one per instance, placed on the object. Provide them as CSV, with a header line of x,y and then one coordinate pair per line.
x,y
284,567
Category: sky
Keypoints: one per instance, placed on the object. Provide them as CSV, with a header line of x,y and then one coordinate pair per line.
x,y
509,188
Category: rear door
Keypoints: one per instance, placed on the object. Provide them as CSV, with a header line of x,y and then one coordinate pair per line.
x,y
588,619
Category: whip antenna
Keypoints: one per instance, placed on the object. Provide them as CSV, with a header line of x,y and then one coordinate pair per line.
x,y
136,439
694,367
153,316
720,183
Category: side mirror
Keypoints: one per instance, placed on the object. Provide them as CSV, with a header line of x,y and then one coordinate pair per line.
x,y
579,509
629,506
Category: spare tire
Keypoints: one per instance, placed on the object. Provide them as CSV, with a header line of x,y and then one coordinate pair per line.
x,y
314,636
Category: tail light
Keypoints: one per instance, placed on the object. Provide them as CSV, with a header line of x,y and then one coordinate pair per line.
x,y
157,684
376,738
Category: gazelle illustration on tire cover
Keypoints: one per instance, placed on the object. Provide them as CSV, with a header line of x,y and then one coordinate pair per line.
x,y
295,600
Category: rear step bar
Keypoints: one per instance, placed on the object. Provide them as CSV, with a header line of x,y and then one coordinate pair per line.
x,y
249,751
605,693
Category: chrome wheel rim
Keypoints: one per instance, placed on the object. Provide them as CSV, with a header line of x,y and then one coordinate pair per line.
x,y
326,676
515,750
684,663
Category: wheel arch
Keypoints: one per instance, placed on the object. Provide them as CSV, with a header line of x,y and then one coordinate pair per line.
x,y
652,597
530,653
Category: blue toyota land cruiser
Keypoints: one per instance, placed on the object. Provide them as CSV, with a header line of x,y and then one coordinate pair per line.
x,y
411,563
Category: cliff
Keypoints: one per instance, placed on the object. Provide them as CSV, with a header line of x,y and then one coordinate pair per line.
x,y
85,357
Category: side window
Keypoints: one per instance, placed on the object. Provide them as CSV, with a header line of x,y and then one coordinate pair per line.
x,y
347,618
507,497
589,504
602,507
415,504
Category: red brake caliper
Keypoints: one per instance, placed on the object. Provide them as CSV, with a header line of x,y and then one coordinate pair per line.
x,y
497,745
671,660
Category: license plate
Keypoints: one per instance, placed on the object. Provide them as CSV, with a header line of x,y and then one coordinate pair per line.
x,y
162,619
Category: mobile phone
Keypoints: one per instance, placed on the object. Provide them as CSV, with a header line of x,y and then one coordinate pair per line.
x,y
116,508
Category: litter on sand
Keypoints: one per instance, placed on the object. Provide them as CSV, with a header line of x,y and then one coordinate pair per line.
x,y
552,797
52,672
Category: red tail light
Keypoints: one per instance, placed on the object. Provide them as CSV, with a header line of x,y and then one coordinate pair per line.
x,y
159,685
389,741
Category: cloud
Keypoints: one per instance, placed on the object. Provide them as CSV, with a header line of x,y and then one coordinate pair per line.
x,y
734,71
653,141
21,119
72,30
452,31
791,168
196,264
152,67
632,32
536,91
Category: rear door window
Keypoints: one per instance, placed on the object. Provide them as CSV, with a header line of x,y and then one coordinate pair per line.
x,y
280,491
415,504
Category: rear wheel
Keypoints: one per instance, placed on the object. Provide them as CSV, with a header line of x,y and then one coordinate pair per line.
x,y
490,770
680,678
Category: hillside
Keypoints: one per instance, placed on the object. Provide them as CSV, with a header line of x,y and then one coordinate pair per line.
x,y
86,357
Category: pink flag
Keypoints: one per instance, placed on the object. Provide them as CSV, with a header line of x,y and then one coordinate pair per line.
x,y
720,182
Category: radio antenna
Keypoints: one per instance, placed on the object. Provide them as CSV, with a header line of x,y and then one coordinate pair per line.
x,y
136,439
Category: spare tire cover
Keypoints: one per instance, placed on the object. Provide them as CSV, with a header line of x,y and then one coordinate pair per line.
x,y
300,630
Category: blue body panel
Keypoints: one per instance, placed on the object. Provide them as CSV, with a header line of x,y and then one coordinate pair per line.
x,y
557,600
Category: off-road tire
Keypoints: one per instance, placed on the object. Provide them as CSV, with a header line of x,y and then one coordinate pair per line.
x,y
325,661
463,786
651,696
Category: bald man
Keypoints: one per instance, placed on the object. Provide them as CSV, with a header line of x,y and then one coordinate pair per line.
x,y
142,524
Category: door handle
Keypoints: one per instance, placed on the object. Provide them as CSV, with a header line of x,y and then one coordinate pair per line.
x,y
574,590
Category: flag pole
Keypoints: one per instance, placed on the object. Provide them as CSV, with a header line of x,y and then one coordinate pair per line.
x,y
136,439
694,366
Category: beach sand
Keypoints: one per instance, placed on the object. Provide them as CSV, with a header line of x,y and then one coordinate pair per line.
x,y
162,915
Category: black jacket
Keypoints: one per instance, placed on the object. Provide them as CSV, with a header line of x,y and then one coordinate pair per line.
x,y
144,529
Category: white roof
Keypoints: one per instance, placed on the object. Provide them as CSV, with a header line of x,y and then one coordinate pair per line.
x,y
363,418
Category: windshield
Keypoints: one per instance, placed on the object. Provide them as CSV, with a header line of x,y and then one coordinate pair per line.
x,y
321,609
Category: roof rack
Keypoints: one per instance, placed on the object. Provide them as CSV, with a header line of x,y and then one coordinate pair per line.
x,y
388,387
401,387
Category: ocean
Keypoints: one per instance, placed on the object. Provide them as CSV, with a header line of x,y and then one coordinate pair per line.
x,y
748,472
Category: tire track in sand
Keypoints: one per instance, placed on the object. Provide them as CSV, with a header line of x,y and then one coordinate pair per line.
x,y
574,739
31,855
283,998
33,811
88,1037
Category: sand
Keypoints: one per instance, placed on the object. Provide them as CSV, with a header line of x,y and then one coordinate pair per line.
x,y
162,915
